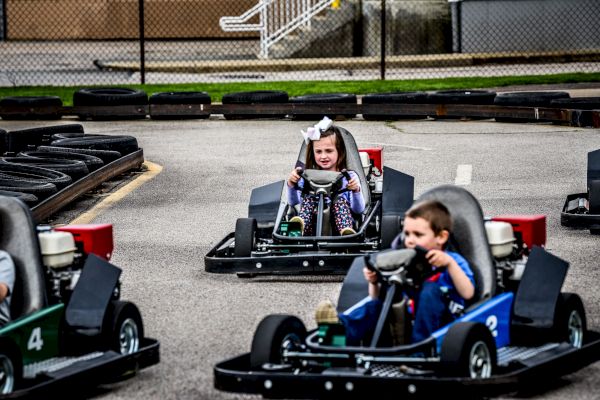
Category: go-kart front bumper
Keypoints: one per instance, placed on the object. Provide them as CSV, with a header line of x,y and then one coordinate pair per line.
x,y
235,375
331,261
85,374
578,217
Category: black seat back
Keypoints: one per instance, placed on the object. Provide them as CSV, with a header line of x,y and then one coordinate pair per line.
x,y
470,238
18,237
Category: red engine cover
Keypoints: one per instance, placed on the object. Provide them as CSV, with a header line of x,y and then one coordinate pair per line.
x,y
375,154
96,238
531,227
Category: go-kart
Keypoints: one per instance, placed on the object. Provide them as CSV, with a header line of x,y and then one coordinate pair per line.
x,y
518,329
582,210
267,242
68,325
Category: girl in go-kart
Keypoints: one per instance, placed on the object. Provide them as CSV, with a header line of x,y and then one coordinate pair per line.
x,y
326,151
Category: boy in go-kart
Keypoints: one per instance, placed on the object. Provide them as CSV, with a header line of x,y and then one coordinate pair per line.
x,y
427,225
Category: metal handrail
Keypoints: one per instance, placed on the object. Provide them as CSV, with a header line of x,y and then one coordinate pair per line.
x,y
277,19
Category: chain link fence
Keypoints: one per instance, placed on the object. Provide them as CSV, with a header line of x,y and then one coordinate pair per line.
x,y
101,42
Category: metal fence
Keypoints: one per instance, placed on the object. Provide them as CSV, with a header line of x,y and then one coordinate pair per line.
x,y
98,42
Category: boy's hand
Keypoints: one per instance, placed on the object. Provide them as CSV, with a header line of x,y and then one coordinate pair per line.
x,y
353,184
370,276
438,258
293,178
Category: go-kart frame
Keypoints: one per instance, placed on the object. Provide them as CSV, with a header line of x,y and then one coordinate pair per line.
x,y
582,210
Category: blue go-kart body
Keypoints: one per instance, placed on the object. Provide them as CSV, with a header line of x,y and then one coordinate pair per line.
x,y
509,337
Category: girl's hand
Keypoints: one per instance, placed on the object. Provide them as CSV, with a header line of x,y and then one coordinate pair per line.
x,y
293,178
438,258
353,185
370,276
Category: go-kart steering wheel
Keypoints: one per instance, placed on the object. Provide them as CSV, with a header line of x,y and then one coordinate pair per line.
x,y
404,266
322,182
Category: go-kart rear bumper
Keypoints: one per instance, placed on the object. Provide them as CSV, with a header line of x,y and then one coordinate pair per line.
x,y
578,220
307,262
234,375
108,367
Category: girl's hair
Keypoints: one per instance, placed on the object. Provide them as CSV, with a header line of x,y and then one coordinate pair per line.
x,y
311,163
434,212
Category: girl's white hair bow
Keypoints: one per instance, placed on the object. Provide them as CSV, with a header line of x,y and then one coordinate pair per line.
x,y
314,132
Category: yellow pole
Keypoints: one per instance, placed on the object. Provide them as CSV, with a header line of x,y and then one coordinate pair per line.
x,y
335,3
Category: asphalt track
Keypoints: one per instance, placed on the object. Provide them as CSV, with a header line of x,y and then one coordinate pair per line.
x,y
164,227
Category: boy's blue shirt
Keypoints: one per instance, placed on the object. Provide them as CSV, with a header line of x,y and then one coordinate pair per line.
x,y
446,281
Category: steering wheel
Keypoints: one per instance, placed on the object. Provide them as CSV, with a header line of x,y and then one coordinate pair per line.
x,y
404,266
318,181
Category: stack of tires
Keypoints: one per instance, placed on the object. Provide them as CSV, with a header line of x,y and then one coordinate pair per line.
x,y
39,162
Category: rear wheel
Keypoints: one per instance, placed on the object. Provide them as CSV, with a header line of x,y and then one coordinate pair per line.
x,y
245,230
123,328
468,350
390,228
276,334
570,322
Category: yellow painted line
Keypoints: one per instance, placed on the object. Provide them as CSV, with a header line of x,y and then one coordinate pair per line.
x,y
113,198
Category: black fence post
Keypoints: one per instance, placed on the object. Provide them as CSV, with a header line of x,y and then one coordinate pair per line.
x,y
142,43
383,35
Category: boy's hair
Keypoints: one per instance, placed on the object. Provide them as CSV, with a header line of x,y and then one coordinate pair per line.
x,y
434,212
311,163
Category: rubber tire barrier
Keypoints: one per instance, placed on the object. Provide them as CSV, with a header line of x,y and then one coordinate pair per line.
x,y
31,174
254,97
92,163
23,139
110,97
481,97
124,144
31,102
577,103
180,98
107,156
40,190
394,98
66,135
323,98
75,169
526,99
26,198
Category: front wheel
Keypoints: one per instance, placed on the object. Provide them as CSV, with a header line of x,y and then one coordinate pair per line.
x,y
245,232
123,328
468,350
570,322
11,366
274,335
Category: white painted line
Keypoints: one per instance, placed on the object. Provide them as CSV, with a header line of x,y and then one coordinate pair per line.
x,y
463,174
399,145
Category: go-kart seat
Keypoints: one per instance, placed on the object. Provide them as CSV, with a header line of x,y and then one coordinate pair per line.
x,y
353,163
468,236
18,237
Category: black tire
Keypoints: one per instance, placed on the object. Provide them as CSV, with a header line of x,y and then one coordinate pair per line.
x,y
124,144
275,332
109,97
39,190
526,99
23,139
577,103
66,135
254,97
75,169
245,233
92,163
394,98
468,350
107,156
26,198
11,366
179,98
31,174
123,329
594,196
324,98
390,228
570,324
462,96
31,102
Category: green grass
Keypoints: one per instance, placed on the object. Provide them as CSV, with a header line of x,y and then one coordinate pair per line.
x,y
217,90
